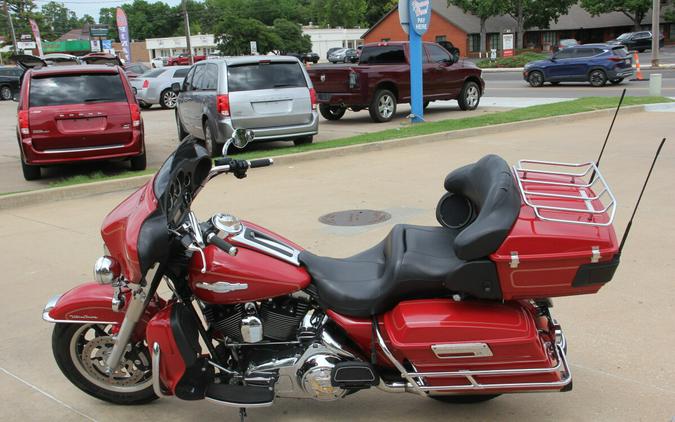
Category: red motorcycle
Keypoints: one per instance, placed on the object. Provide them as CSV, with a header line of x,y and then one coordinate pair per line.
x,y
458,312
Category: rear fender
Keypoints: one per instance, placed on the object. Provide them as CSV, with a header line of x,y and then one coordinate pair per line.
x,y
92,303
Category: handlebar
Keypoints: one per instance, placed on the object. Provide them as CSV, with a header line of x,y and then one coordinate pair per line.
x,y
213,239
263,162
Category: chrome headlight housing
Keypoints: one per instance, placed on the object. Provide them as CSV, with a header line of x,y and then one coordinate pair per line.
x,y
106,270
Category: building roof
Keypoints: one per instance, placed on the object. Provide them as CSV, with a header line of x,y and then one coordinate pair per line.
x,y
76,34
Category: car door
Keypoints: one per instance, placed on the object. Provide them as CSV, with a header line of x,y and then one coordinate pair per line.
x,y
561,65
580,62
206,96
446,82
186,101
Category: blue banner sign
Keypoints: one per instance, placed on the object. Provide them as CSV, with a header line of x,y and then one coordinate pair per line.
x,y
420,15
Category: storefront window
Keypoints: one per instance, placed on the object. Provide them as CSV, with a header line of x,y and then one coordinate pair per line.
x,y
440,38
474,43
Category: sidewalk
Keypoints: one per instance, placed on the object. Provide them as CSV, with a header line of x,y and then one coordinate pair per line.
x,y
619,340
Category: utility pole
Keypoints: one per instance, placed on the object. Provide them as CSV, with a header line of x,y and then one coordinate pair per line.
x,y
187,31
656,31
11,25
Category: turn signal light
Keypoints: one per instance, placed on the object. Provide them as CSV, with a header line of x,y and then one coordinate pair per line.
x,y
24,127
106,270
135,115
223,105
312,97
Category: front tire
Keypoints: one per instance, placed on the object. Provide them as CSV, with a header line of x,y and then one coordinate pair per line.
x,y
6,93
536,79
331,112
465,398
168,99
383,106
469,97
80,350
597,78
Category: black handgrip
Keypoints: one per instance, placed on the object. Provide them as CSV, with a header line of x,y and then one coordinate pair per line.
x,y
225,161
213,239
263,162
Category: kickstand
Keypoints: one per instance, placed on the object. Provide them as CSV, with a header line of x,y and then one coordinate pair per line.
x,y
242,414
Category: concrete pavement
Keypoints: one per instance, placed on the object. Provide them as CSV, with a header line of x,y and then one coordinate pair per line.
x,y
620,340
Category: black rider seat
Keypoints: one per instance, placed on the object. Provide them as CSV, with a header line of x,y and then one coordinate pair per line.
x,y
415,262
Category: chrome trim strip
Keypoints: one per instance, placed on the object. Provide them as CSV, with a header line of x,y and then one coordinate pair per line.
x,y
239,405
273,243
461,350
222,286
82,149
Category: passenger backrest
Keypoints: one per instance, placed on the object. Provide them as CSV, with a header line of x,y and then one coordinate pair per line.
x,y
491,188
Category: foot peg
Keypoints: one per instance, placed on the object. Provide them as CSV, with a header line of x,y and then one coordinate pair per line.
x,y
240,395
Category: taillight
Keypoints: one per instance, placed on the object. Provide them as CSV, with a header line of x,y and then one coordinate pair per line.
x,y
24,127
615,59
135,115
146,83
312,97
223,105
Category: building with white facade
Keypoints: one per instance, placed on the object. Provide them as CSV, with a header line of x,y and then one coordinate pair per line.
x,y
173,46
326,38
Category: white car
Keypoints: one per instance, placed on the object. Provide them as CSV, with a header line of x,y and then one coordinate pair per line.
x,y
158,62
154,86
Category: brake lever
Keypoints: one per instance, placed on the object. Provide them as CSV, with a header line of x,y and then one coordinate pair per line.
x,y
194,248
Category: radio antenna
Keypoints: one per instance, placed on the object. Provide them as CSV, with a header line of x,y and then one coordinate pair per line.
x,y
637,204
616,112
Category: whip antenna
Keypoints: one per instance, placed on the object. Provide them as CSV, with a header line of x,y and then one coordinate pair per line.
x,y
616,112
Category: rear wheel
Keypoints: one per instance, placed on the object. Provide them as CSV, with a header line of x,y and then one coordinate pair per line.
x,y
139,162
426,104
5,93
30,172
383,106
466,398
182,133
81,350
305,140
469,97
210,141
597,78
536,79
330,112
616,81
145,106
167,99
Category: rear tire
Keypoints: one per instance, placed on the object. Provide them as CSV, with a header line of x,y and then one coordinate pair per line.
x,y
182,133
5,93
469,97
145,106
383,107
30,172
167,99
138,163
425,104
210,142
597,78
66,338
616,81
466,398
305,140
331,112
536,79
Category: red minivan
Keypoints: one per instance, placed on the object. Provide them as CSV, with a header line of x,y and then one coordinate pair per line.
x,y
68,114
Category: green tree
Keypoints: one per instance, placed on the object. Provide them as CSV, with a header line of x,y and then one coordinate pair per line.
x,y
535,13
235,35
483,9
57,19
344,13
87,19
292,40
376,9
636,10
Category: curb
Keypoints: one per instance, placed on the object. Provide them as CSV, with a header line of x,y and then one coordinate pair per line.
x,y
665,66
96,188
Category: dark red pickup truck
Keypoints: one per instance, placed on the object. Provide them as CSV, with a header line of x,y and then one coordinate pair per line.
x,y
382,79
183,60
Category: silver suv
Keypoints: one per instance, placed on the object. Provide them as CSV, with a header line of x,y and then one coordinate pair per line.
x,y
271,95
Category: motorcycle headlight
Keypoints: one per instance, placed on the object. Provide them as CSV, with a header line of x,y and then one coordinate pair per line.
x,y
106,270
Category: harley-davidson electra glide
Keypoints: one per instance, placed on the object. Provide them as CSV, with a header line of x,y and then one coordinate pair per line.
x,y
457,312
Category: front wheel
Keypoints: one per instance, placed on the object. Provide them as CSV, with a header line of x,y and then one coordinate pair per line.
x,y
168,99
535,79
81,350
6,93
469,97
597,78
465,398
383,106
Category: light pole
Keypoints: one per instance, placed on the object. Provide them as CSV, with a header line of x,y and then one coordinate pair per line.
x,y
187,32
656,32
11,25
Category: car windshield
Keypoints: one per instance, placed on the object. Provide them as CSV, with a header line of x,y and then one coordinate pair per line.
x,y
265,75
76,89
624,36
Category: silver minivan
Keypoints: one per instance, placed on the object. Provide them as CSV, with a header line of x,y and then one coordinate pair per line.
x,y
271,95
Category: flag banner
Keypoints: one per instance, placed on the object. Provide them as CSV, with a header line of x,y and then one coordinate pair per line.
x,y
36,34
123,32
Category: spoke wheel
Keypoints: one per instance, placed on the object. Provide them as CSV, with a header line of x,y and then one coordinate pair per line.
x,y
469,97
597,78
383,106
536,79
168,99
5,93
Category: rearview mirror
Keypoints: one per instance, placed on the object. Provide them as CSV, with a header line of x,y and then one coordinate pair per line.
x,y
175,87
240,138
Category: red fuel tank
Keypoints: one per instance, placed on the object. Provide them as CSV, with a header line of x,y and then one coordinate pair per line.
x,y
250,275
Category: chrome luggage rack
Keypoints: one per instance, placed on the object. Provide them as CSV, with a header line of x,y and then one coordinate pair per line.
x,y
587,181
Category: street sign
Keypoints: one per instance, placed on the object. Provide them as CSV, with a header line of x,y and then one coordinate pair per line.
x,y
403,15
493,54
420,14
507,45
254,48
106,44
26,45
95,46
99,30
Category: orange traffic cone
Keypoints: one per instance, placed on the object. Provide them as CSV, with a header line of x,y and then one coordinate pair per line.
x,y
638,73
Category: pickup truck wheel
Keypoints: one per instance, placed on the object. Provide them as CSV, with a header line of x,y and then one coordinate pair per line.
x,y
469,97
383,106
426,104
331,112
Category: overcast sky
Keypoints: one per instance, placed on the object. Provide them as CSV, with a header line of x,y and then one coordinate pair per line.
x,y
92,7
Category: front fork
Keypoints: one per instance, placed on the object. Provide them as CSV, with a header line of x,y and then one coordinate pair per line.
x,y
136,307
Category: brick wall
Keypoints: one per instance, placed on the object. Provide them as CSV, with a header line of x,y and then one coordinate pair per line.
x,y
390,28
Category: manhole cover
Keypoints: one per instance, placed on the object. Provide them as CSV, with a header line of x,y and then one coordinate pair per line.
x,y
354,218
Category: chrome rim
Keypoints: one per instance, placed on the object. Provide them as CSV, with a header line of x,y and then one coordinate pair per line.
x,y
597,78
386,106
536,78
89,349
6,93
472,96
208,139
170,98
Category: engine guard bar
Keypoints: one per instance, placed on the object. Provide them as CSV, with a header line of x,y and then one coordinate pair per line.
x,y
415,380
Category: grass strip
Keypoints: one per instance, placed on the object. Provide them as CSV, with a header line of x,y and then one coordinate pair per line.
x,y
97,176
517,115
518,60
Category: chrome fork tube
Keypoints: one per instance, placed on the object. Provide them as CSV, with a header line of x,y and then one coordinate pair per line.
x,y
133,314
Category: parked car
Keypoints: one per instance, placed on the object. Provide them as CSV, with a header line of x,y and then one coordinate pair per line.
x,y
154,86
565,43
639,41
311,57
184,59
158,62
60,59
450,47
343,55
331,51
381,80
271,95
135,69
10,79
595,63
69,114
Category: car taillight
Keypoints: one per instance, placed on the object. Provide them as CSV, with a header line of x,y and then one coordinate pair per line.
x,y
616,59
135,115
312,97
24,127
223,105
146,83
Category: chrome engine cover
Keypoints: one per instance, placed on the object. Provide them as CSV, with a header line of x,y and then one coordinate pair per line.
x,y
316,375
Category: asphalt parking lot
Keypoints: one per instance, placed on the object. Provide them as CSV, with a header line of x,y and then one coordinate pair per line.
x,y
620,340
